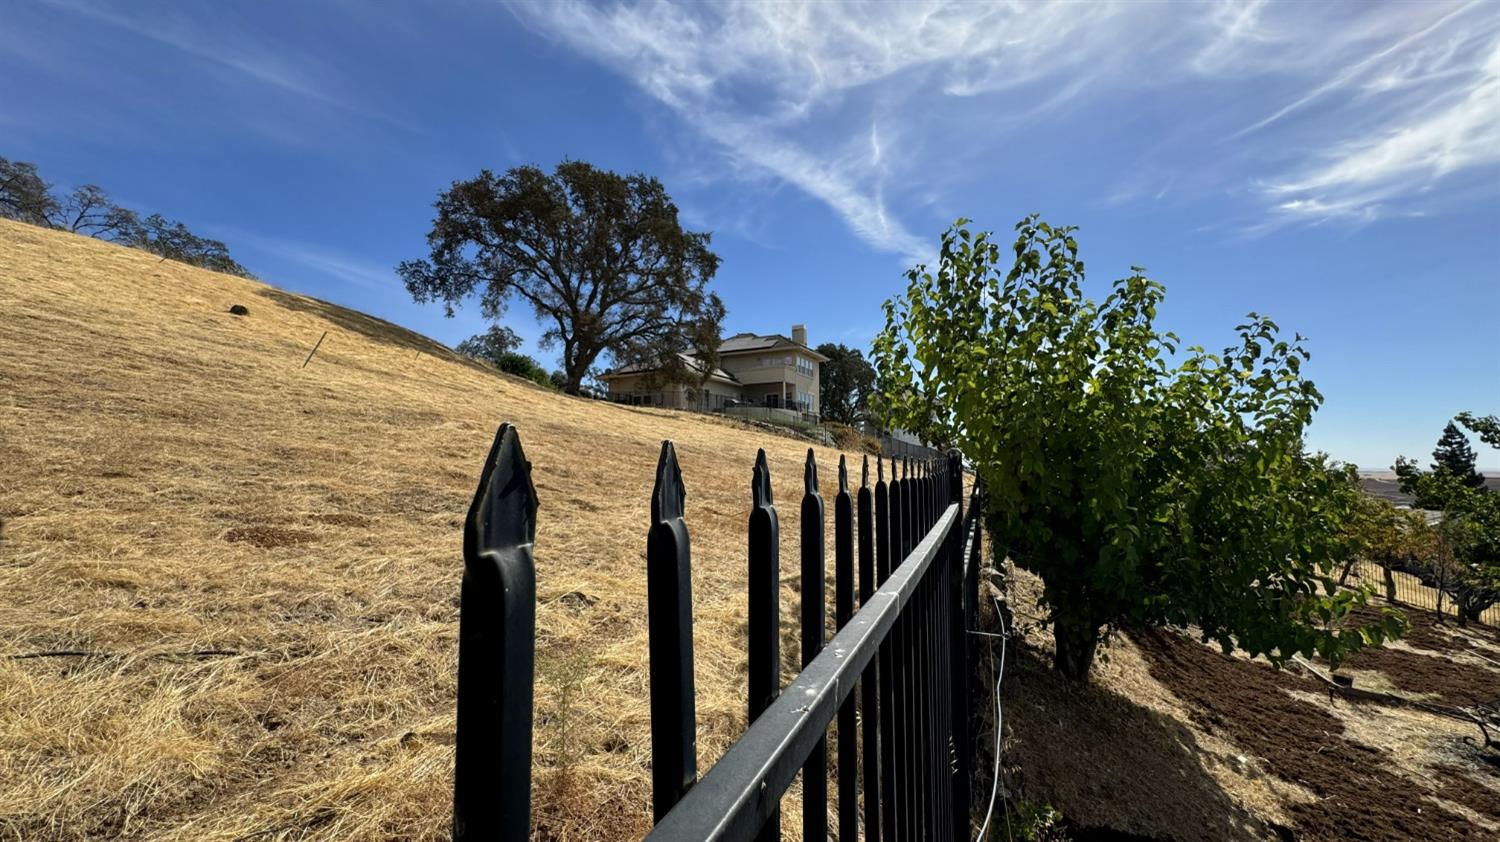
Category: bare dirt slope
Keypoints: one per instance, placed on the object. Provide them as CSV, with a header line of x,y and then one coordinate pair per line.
x,y
1173,740
264,560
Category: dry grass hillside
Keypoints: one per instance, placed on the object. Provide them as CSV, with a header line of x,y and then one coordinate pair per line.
x,y
254,567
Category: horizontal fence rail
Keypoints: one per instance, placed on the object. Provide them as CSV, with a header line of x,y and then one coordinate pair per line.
x,y
893,682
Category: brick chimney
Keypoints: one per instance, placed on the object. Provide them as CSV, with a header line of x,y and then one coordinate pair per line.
x,y
799,334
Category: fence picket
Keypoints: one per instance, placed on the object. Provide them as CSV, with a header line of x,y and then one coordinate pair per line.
x,y
887,656
843,601
764,608
496,650
674,740
869,683
815,770
896,685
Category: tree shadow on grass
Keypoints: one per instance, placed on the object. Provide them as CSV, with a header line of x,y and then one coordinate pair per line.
x,y
1109,764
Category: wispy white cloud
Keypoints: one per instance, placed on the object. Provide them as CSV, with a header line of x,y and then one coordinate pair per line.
x,y
1335,111
761,80
227,47
324,261
1444,119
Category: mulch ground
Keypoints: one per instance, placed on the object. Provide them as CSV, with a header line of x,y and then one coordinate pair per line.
x,y
1358,796
1433,671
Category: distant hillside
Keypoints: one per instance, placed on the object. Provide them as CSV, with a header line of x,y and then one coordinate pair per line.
x,y
1386,487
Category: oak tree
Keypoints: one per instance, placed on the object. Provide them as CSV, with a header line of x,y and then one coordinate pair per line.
x,y
601,259
844,383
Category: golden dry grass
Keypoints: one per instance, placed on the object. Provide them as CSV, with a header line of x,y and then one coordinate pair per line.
x,y
266,560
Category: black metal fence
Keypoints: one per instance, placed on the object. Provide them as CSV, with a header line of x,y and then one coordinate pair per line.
x,y
903,659
1411,590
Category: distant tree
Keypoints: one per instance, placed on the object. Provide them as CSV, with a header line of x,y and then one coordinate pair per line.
x,y
24,196
497,347
844,382
558,379
1142,485
1469,532
600,257
1453,454
171,240
491,345
87,210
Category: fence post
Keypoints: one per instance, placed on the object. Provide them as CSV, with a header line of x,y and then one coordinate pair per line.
x,y
869,684
764,609
843,601
496,650
669,594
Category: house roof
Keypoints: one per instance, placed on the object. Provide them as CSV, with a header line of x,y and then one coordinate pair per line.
x,y
742,343
692,361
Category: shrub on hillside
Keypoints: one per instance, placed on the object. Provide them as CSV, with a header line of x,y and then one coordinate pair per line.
x,y
497,346
848,438
1142,490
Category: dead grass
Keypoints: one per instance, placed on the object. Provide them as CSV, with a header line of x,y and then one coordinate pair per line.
x,y
174,483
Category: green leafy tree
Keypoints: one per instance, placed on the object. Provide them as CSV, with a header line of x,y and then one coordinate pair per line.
x,y
491,345
1468,567
844,383
1454,455
1487,427
601,259
1139,490
497,347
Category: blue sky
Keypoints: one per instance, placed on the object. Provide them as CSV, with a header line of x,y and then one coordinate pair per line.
x,y
1335,166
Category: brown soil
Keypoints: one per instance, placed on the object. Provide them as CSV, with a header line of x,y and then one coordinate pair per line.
x,y
1459,785
1432,670
1108,761
267,537
1357,796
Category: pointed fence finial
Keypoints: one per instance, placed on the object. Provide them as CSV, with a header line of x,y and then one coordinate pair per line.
x,y
496,650
843,475
760,482
810,473
864,473
504,509
668,496
879,469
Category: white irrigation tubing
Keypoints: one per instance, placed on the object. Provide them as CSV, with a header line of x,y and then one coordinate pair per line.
x,y
995,785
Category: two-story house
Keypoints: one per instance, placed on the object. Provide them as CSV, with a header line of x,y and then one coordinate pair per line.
x,y
771,371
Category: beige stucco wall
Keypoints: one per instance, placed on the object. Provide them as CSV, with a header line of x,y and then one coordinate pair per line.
x,y
761,380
